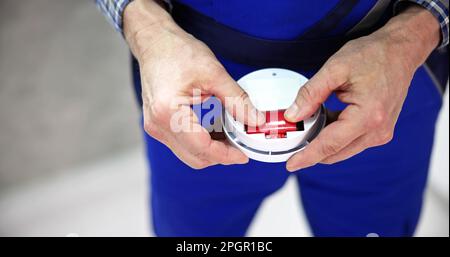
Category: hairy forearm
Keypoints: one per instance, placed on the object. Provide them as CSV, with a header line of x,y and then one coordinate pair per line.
x,y
412,35
144,23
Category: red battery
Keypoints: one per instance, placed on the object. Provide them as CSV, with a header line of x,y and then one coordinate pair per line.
x,y
276,126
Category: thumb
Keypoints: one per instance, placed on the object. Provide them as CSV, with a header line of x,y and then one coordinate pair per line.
x,y
236,101
309,98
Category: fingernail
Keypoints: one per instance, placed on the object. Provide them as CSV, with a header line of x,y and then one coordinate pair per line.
x,y
291,112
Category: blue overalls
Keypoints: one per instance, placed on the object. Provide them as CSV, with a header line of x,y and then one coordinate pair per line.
x,y
378,191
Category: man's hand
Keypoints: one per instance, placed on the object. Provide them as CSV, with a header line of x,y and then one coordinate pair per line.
x,y
372,75
173,64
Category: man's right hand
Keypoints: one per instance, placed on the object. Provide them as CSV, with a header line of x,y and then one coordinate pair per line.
x,y
173,65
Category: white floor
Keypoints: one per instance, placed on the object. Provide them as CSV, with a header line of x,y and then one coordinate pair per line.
x,y
109,198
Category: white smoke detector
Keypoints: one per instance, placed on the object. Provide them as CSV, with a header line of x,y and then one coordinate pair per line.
x,y
272,91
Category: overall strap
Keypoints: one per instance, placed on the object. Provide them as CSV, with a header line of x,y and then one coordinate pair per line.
x,y
380,9
331,20
301,54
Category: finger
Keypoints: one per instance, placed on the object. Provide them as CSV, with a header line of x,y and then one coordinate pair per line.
x,y
331,140
358,145
203,147
236,100
313,94
188,158
197,162
166,138
198,142
232,154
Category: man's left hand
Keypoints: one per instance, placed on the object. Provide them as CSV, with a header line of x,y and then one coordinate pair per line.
x,y
372,75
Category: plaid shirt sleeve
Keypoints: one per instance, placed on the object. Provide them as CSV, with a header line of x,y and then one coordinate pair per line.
x,y
113,10
439,8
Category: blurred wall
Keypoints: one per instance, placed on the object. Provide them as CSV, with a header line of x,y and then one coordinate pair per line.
x,y
65,90
439,167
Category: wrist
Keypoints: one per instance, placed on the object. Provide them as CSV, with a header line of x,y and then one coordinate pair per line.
x,y
412,36
144,22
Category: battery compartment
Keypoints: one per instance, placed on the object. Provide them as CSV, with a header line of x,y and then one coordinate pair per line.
x,y
276,126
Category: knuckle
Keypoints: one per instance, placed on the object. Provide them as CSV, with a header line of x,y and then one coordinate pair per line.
x,y
149,127
158,111
152,129
384,138
198,165
330,149
378,117
305,94
243,96
195,166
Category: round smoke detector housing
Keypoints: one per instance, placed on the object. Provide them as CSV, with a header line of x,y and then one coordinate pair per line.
x,y
272,91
